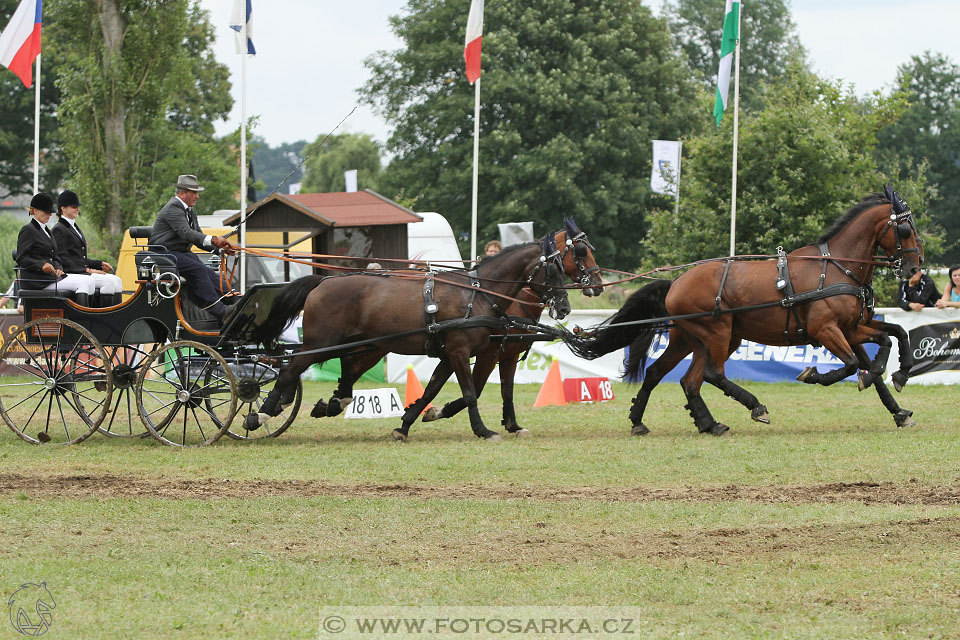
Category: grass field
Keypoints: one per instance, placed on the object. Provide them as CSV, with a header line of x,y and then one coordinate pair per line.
x,y
828,523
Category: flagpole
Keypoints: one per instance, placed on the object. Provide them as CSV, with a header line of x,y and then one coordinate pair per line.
x,y
476,167
676,203
36,132
736,137
243,152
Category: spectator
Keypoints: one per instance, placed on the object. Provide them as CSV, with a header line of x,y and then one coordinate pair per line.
x,y
951,295
918,292
8,297
492,248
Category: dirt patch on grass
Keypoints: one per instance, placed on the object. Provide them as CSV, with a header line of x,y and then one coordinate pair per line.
x,y
107,486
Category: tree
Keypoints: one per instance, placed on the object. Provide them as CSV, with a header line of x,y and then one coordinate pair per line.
x,y
17,126
929,132
768,42
803,160
274,164
329,156
140,94
573,94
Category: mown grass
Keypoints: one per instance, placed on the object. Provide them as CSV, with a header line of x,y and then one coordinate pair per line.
x,y
260,566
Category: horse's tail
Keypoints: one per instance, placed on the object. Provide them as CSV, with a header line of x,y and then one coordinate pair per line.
x,y
287,305
645,304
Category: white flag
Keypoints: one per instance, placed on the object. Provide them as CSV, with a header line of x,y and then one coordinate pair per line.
x,y
237,21
350,177
665,176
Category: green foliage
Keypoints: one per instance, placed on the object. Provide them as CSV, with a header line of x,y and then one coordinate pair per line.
x,y
274,164
17,125
803,159
768,42
572,95
9,230
140,94
329,156
928,134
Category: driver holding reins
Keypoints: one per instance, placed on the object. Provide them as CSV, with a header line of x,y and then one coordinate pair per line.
x,y
177,229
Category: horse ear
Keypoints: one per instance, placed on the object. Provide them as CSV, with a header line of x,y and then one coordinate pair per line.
x,y
571,227
887,193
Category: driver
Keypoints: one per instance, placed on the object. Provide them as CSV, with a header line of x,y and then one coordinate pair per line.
x,y
177,228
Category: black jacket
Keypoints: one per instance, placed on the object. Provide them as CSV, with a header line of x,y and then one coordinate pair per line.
x,y
925,292
34,247
73,249
176,229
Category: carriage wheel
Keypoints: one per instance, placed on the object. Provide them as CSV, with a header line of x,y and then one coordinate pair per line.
x,y
125,361
60,391
186,394
256,381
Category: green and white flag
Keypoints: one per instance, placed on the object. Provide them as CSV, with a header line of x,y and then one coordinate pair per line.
x,y
728,43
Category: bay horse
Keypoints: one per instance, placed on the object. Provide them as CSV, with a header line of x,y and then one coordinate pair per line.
x,y
578,264
391,312
717,304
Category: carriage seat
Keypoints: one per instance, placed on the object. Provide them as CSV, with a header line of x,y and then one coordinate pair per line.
x,y
20,292
140,232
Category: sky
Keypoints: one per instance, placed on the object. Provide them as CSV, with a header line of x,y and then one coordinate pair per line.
x,y
310,53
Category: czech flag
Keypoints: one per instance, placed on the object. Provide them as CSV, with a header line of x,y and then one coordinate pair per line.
x,y
20,41
471,49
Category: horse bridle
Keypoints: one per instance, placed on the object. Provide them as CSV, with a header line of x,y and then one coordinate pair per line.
x,y
578,242
549,254
902,224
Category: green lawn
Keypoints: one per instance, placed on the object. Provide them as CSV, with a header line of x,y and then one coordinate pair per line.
x,y
829,522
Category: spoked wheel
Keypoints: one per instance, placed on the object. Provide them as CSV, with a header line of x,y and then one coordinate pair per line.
x,y
186,394
125,362
61,391
256,380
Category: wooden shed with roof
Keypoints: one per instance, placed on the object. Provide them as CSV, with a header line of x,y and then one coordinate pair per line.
x,y
362,224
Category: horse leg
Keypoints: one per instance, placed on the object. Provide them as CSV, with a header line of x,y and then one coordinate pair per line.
x,y
459,357
677,349
482,368
903,349
691,382
873,370
508,371
436,382
902,417
717,377
351,368
836,343
284,389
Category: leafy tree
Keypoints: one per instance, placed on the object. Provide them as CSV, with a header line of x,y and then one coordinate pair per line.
x,y
329,157
140,94
929,132
803,160
17,125
573,93
274,164
768,42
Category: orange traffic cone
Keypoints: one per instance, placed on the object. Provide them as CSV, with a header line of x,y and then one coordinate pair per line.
x,y
414,389
552,390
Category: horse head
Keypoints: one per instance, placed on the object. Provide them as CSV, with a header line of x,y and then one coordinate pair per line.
x,y
577,259
898,237
546,279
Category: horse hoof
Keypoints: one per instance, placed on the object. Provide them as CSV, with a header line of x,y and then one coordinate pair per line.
x,y
759,414
718,429
494,438
345,402
899,380
522,433
904,418
639,430
864,380
262,418
252,422
319,410
807,375
398,436
431,414
43,437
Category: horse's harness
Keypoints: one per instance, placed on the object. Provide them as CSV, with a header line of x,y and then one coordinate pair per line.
x,y
434,345
578,242
900,218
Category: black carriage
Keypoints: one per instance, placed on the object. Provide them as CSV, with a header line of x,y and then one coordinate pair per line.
x,y
154,360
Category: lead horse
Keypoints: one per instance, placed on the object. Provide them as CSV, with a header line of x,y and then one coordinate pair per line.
x,y
387,311
716,305
578,263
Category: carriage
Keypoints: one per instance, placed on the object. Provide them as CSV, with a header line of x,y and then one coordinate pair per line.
x,y
154,365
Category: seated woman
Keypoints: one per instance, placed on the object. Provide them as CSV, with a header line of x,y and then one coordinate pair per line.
x,y
73,251
951,295
40,268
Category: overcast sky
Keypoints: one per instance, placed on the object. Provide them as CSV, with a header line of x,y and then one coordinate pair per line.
x,y
310,53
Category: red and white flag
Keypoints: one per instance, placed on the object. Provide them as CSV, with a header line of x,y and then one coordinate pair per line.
x,y
471,49
20,40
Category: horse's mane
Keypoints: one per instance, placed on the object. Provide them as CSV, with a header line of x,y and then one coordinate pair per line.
x,y
502,252
869,201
